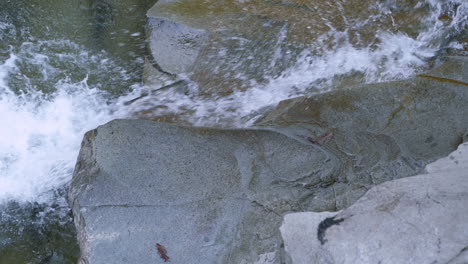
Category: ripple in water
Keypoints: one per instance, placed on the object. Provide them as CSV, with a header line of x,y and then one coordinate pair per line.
x,y
359,53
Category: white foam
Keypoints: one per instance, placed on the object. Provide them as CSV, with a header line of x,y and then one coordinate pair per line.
x,y
40,135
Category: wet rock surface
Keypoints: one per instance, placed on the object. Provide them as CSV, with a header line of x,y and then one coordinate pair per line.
x,y
418,219
381,131
208,196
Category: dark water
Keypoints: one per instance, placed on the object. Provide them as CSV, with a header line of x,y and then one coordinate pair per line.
x,y
37,233
58,47
85,30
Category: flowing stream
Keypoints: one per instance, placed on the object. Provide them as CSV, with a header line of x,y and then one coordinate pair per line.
x,y
67,66
62,66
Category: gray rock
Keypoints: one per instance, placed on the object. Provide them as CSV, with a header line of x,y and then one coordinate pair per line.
x,y
381,131
457,160
208,196
175,46
420,219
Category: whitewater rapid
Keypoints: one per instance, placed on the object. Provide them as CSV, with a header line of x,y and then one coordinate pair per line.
x,y
40,135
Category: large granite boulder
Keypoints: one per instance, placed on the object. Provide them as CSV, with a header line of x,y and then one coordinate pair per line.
x,y
206,195
420,219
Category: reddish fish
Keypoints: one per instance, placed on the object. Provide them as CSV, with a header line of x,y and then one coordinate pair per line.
x,y
162,252
321,139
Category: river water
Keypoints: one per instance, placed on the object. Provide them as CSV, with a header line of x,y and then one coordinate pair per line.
x,y
67,66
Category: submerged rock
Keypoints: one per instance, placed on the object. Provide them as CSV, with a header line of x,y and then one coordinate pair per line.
x,y
218,44
420,219
226,45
